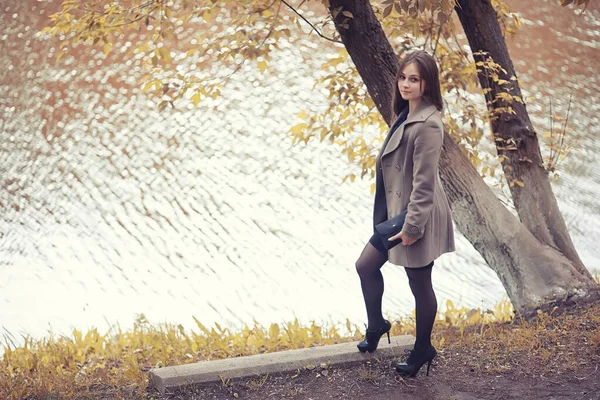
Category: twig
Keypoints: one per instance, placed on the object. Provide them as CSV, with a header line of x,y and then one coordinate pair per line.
x,y
437,39
146,4
260,10
272,25
137,19
564,131
308,22
239,66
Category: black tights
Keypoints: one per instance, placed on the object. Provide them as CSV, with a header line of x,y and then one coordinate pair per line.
x,y
369,266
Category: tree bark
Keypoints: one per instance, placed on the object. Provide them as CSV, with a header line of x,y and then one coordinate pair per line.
x,y
534,274
514,135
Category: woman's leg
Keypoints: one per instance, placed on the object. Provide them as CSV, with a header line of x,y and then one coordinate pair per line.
x,y
368,267
419,280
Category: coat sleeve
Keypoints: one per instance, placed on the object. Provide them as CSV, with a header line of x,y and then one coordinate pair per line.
x,y
427,148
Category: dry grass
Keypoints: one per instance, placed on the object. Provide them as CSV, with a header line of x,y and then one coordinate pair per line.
x,y
117,362
560,341
256,384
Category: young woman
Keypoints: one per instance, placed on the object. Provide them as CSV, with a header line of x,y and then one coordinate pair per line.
x,y
407,178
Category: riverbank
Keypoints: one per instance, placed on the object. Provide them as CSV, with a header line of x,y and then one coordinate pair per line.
x,y
482,355
554,356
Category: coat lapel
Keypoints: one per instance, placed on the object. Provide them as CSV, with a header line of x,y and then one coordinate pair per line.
x,y
420,114
391,132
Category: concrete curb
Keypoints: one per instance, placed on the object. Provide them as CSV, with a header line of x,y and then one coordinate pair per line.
x,y
174,377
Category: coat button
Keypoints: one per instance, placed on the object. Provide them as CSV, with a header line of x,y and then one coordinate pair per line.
x,y
397,167
398,193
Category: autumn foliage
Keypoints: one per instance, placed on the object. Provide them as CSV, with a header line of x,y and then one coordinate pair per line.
x,y
231,35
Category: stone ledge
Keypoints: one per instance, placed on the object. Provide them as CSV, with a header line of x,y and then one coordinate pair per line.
x,y
283,361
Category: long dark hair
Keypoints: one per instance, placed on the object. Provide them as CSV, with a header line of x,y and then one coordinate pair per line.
x,y
429,73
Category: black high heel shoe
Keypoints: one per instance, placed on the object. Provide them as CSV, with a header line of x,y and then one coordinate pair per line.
x,y
371,340
415,361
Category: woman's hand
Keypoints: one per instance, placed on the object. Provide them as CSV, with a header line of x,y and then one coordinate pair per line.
x,y
406,240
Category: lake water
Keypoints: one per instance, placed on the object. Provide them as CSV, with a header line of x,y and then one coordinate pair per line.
x,y
111,209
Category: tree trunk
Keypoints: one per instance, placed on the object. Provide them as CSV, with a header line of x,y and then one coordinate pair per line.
x,y
369,52
534,275
514,135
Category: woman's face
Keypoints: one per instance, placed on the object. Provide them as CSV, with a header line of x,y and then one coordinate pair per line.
x,y
410,84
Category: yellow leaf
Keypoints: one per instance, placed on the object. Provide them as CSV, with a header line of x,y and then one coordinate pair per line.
x,y
148,85
345,113
206,16
60,55
323,134
262,66
164,54
107,47
298,129
196,99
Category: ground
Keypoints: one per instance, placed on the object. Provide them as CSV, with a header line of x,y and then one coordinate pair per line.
x,y
378,381
554,356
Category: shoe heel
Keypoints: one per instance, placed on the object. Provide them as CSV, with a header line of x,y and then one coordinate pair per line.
x,y
428,365
388,334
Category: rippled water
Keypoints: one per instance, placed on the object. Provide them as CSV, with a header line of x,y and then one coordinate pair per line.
x,y
112,209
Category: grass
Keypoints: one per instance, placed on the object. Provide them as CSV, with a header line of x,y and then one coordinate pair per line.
x,y
546,340
118,361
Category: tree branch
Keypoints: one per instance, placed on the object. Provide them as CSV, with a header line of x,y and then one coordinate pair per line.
x,y
308,22
137,19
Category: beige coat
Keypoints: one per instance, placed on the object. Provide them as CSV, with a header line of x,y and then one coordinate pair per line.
x,y
408,177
